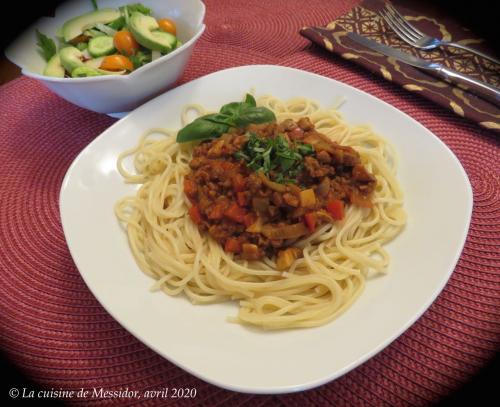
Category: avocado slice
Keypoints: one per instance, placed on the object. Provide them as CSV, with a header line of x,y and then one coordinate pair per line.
x,y
86,71
94,62
145,30
75,26
71,58
54,67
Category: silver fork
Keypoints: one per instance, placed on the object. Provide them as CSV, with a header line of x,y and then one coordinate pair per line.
x,y
417,38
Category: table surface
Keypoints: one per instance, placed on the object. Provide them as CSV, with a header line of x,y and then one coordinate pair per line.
x,y
55,331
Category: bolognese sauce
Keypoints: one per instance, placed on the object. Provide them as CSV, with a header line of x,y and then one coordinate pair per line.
x,y
260,189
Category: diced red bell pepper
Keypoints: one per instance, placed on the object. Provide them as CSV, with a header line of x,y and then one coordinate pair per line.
x,y
336,209
310,221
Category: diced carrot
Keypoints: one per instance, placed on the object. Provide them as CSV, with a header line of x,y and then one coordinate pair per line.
x,y
189,188
236,213
336,209
249,219
232,245
310,221
217,211
239,183
195,214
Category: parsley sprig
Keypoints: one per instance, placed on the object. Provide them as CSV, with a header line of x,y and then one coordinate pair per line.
x,y
280,160
46,46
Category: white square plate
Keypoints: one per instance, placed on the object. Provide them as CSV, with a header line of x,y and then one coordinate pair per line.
x,y
438,201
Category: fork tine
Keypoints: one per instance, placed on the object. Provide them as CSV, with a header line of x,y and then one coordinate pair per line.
x,y
398,15
396,29
402,26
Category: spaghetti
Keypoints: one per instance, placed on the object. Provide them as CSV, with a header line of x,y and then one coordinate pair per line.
x,y
317,287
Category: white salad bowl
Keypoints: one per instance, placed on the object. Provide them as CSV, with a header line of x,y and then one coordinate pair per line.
x,y
113,93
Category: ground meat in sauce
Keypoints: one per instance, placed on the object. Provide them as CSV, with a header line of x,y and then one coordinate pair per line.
x,y
252,217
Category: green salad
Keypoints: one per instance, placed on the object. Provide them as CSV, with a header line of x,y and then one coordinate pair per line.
x,y
107,42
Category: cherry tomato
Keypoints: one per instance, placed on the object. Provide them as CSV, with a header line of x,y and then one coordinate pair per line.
x,y
117,63
167,25
125,43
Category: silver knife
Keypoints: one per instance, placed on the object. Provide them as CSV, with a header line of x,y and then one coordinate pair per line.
x,y
480,88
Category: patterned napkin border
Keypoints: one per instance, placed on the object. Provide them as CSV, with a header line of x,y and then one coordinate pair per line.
x,y
364,20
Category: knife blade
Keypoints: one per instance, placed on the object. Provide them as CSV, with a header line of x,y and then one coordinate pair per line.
x,y
480,88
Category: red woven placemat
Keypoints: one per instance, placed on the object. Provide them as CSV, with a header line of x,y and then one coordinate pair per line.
x,y
57,333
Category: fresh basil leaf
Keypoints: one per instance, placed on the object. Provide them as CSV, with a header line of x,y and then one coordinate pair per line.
x,y
218,118
250,100
201,129
46,45
255,115
232,108
235,114
235,108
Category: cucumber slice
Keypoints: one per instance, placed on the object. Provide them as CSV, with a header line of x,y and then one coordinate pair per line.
x,y
101,46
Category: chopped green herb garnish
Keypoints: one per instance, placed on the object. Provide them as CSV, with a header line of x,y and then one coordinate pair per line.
x,y
117,24
275,156
140,58
82,46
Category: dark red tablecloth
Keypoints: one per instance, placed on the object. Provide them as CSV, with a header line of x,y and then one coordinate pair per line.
x,y
57,333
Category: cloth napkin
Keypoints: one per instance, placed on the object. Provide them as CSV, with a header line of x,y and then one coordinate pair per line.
x,y
364,20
